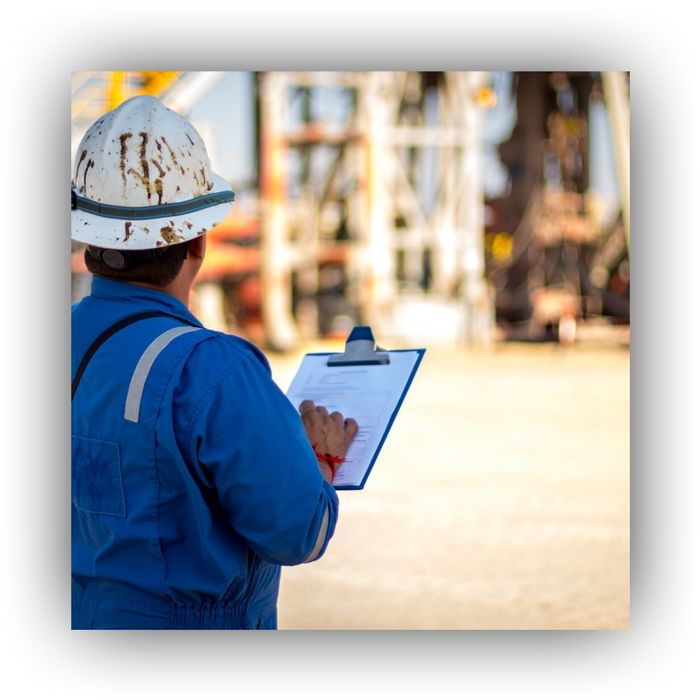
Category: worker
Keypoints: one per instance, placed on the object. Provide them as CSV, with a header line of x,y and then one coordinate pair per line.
x,y
193,477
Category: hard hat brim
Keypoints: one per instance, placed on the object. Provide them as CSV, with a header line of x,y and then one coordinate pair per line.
x,y
146,234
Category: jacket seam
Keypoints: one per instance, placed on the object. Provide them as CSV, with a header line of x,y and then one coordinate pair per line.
x,y
156,416
206,396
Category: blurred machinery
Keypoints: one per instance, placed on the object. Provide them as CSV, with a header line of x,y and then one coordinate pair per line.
x,y
551,262
369,206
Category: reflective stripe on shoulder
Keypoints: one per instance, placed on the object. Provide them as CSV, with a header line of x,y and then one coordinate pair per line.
x,y
320,539
138,379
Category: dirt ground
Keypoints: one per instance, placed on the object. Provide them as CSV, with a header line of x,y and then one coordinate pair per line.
x,y
500,500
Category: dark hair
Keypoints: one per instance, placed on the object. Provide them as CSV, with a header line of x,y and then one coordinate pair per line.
x,y
159,266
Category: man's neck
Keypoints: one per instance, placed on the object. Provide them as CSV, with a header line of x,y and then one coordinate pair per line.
x,y
181,286
176,289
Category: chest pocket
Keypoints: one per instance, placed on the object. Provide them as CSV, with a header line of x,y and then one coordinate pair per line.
x,y
96,477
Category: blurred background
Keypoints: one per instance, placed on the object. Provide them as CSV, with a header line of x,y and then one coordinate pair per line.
x,y
484,216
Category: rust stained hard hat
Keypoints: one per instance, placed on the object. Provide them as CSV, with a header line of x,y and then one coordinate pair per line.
x,y
142,180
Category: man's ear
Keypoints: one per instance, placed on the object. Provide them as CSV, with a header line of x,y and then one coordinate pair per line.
x,y
197,247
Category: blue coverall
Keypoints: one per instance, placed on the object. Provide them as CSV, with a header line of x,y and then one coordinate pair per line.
x,y
193,479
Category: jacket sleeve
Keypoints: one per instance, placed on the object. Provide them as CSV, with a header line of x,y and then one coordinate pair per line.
x,y
250,442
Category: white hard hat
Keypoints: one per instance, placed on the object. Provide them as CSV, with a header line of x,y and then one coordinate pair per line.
x,y
142,180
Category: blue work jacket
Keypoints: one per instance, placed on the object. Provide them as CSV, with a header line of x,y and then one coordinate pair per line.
x,y
193,479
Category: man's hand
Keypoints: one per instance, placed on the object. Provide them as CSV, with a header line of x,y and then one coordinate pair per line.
x,y
331,434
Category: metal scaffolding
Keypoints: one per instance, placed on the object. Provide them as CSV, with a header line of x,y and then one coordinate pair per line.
x,y
385,205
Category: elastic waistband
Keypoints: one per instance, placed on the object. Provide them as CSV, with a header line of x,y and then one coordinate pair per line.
x,y
218,617
116,610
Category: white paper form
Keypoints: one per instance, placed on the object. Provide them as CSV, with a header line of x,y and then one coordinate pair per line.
x,y
371,394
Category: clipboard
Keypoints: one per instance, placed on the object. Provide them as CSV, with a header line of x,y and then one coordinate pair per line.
x,y
366,383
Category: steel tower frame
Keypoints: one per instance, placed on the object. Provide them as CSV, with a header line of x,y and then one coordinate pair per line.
x,y
411,138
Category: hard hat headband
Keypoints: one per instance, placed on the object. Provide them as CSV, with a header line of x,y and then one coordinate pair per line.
x,y
112,211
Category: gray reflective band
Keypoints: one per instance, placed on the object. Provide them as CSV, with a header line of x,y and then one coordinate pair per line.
x,y
320,539
138,379
158,211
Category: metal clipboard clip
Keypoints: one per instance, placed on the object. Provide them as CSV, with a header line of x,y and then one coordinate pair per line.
x,y
360,349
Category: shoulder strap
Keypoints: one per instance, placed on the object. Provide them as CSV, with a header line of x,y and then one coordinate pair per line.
x,y
109,332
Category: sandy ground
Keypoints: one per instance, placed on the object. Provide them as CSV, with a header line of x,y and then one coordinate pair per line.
x,y
500,500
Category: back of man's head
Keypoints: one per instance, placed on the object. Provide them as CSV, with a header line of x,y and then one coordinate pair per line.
x,y
142,188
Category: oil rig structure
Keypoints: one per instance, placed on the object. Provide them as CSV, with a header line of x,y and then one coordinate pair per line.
x,y
550,260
